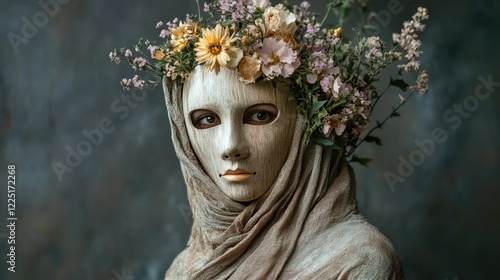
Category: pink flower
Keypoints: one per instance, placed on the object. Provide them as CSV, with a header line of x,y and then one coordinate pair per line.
x,y
278,58
374,47
138,83
333,122
305,5
139,63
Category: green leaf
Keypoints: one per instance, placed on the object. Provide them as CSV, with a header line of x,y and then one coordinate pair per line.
x,y
373,139
395,114
400,84
315,107
361,160
325,142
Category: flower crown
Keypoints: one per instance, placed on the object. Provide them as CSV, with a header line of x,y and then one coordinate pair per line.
x,y
331,78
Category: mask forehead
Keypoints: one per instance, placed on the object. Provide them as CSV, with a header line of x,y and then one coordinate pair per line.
x,y
205,90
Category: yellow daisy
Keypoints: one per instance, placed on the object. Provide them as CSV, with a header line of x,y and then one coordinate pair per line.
x,y
215,49
182,34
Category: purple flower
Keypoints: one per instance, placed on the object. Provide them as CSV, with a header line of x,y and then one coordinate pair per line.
x,y
311,29
164,33
305,5
159,24
138,83
326,83
128,53
140,62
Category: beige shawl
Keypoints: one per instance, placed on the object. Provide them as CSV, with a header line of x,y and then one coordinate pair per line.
x,y
307,225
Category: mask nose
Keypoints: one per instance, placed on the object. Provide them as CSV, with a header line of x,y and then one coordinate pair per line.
x,y
235,154
236,147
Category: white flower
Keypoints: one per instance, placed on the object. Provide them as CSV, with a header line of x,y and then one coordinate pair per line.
x,y
261,3
279,20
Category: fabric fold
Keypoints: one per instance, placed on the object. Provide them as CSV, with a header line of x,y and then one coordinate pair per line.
x,y
302,227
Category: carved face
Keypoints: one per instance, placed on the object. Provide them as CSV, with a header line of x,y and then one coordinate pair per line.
x,y
240,133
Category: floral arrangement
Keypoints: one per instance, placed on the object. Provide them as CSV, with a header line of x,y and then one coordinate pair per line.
x,y
332,78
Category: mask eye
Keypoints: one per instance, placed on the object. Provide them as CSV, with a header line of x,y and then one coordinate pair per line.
x,y
260,114
203,119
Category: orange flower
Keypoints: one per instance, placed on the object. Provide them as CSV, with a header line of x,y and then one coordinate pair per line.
x,y
159,55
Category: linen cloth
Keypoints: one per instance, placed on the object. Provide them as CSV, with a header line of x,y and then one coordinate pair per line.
x,y
306,226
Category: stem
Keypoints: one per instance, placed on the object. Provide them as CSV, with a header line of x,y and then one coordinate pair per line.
x,y
327,13
379,125
378,97
199,12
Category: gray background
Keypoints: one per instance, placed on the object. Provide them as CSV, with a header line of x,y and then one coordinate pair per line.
x,y
122,211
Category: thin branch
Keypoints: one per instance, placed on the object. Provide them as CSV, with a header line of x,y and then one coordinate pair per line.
x,y
379,125
327,13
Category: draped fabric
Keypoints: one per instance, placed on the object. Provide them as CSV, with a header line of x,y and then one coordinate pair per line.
x,y
306,226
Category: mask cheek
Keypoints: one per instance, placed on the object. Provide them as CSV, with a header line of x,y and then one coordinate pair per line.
x,y
203,144
268,153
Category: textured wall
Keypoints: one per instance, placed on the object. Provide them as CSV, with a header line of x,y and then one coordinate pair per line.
x,y
122,210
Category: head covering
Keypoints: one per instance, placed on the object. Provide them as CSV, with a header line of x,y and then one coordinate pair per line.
x,y
306,226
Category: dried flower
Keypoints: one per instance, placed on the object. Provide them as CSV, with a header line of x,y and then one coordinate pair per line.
x,y
278,19
180,35
374,46
337,32
249,68
215,49
158,55
278,58
261,3
333,80
333,122
422,83
408,39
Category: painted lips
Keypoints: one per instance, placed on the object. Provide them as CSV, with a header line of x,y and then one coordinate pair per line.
x,y
237,175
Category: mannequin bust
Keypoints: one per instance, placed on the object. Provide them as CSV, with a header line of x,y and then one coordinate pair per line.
x,y
267,202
